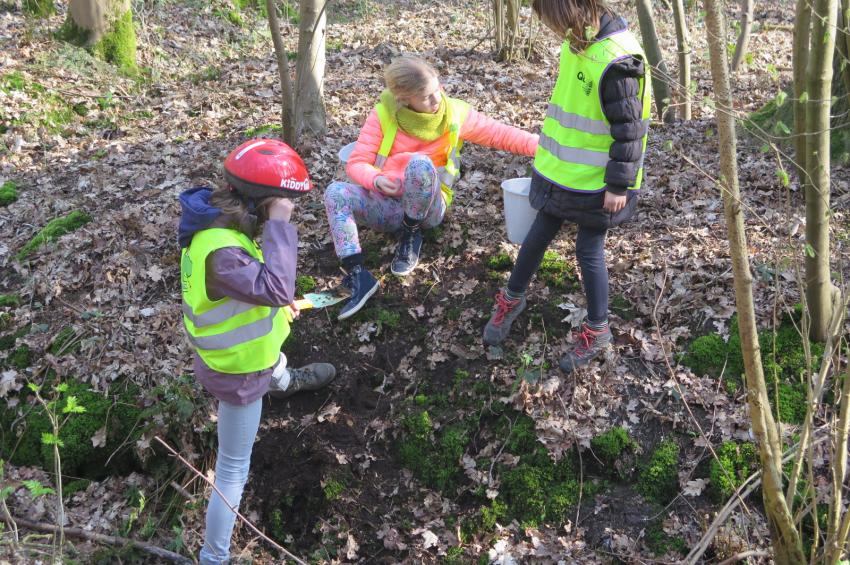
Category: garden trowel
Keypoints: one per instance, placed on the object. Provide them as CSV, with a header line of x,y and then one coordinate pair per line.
x,y
319,300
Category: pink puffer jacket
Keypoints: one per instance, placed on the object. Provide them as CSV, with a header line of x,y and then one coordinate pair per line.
x,y
477,128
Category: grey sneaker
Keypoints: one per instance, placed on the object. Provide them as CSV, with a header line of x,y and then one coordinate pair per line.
x,y
310,377
589,344
505,312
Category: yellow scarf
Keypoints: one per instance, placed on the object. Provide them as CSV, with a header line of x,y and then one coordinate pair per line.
x,y
424,126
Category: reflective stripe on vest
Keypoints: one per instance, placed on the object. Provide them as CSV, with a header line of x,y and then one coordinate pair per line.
x,y
574,144
229,335
457,111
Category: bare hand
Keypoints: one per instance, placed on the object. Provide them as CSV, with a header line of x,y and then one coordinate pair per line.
x,y
613,202
388,186
281,209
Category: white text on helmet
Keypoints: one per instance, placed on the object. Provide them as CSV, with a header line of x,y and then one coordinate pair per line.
x,y
292,184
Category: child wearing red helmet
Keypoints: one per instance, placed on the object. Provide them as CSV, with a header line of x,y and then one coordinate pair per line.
x,y
236,297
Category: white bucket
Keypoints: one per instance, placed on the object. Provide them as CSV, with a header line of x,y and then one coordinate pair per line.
x,y
345,153
519,214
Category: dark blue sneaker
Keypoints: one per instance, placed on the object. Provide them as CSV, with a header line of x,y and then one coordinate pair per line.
x,y
407,253
362,285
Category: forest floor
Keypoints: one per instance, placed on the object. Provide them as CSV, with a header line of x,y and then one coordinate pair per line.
x,y
429,446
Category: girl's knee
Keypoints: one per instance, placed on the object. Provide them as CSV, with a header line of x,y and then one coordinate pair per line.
x,y
419,165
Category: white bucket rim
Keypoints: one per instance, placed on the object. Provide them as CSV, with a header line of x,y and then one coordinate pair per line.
x,y
345,152
520,186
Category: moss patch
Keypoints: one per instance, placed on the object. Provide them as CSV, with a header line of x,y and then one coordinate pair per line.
x,y
734,463
22,428
433,455
304,284
659,477
614,452
556,272
54,229
783,359
8,193
117,46
65,342
9,300
39,8
500,262
660,543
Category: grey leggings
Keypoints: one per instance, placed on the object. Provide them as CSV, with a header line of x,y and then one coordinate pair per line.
x,y
590,252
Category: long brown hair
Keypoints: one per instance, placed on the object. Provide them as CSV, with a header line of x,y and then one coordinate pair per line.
x,y
576,21
235,213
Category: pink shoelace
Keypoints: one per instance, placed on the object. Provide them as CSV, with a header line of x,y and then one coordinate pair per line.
x,y
503,306
585,337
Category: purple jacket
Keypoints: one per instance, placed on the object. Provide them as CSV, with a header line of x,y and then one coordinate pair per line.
x,y
232,272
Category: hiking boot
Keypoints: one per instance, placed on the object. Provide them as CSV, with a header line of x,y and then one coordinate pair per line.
x,y
589,344
504,313
362,285
310,377
407,253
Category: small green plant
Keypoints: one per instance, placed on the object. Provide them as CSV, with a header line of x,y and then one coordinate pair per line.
x,y
556,272
659,477
55,228
304,284
387,319
660,543
734,463
611,449
263,130
7,300
8,193
500,262
332,489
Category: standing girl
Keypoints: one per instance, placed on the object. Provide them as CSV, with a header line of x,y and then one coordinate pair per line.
x,y
235,297
405,162
589,164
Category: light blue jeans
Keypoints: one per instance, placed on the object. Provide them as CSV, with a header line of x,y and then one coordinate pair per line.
x,y
237,429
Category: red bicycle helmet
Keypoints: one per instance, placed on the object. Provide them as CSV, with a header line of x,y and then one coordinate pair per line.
x,y
266,167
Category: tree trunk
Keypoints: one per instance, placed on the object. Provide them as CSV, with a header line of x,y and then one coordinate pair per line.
x,y
817,186
105,27
661,77
744,36
786,540
799,60
683,42
309,95
287,111
506,32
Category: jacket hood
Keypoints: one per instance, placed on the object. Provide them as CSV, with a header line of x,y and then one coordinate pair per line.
x,y
610,24
197,213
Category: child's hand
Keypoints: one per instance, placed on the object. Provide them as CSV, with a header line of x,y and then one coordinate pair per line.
x,y
387,186
281,209
614,203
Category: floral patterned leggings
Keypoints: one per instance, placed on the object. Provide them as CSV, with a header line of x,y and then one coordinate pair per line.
x,y
349,205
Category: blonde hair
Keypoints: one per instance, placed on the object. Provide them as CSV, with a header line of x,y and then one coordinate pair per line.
x,y
407,76
576,21
235,213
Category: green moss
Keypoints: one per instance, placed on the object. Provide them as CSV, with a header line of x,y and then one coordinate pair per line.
x,y
9,300
116,411
791,401
39,8
661,544
387,318
436,462
117,46
659,478
20,358
263,130
63,340
12,81
706,355
8,341
500,262
556,272
8,193
734,463
333,488
304,284
612,450
54,229
623,307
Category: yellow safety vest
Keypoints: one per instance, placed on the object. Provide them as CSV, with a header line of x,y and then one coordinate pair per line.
x,y
457,111
576,135
231,336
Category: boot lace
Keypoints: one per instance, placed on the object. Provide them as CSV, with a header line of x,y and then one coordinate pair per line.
x,y
585,340
406,245
503,306
350,280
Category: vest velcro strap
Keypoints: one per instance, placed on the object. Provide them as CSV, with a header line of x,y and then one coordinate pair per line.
x,y
573,154
237,336
379,161
576,122
445,177
218,314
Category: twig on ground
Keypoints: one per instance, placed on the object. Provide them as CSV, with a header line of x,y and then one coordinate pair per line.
x,y
101,538
271,542
743,555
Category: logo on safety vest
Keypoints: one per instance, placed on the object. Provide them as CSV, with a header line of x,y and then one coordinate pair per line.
x,y
587,84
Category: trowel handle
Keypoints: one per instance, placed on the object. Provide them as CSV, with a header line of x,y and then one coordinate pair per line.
x,y
303,304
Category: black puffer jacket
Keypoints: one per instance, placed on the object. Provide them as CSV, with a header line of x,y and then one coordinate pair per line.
x,y
622,106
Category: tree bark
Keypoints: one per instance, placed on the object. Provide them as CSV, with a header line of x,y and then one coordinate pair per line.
x,y
309,95
661,76
105,27
799,60
683,43
786,540
287,110
817,185
744,35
